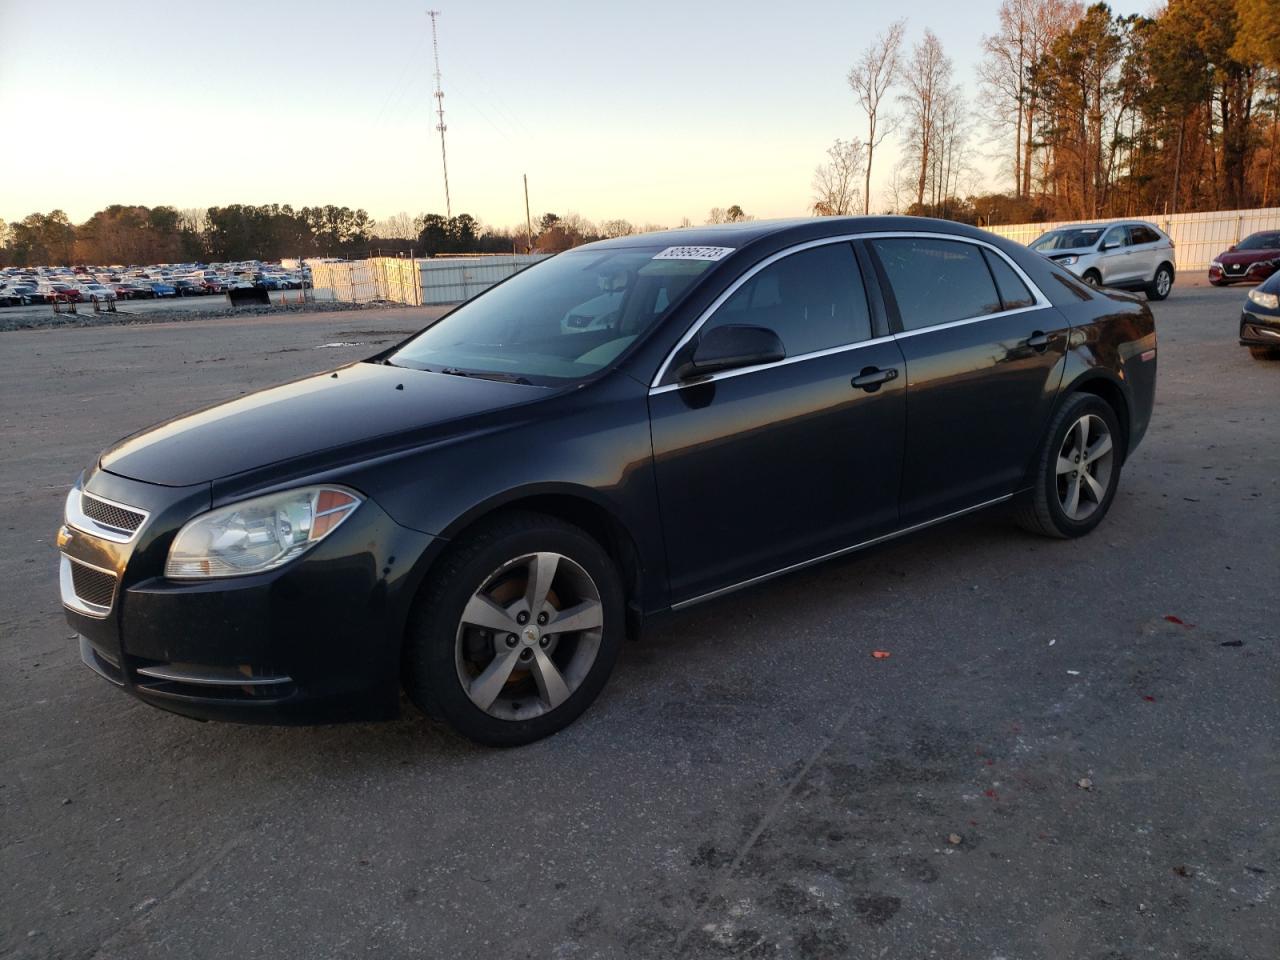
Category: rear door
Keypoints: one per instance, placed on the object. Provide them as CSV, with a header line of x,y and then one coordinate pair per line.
x,y
765,467
984,352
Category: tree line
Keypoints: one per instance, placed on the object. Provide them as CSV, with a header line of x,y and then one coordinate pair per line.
x,y
1089,115
132,234
127,235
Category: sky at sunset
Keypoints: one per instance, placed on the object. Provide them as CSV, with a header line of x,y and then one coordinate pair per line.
x,y
650,112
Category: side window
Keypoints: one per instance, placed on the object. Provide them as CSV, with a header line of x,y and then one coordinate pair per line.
x,y
936,281
1116,235
1141,234
1013,292
813,300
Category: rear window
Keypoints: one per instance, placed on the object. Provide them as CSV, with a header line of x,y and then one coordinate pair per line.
x,y
936,281
1014,294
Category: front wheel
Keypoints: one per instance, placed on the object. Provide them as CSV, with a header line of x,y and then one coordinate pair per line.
x,y
1092,278
1264,353
516,631
1160,284
1077,470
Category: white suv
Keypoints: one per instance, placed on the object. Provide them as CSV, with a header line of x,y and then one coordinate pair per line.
x,y
1129,254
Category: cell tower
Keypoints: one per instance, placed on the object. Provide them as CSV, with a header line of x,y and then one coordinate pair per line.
x,y
440,124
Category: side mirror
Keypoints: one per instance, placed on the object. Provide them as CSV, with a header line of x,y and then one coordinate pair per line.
x,y
730,347
1231,249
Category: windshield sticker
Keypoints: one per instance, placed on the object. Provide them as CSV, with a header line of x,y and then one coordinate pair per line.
x,y
694,253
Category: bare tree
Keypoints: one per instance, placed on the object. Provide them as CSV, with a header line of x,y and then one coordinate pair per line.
x,y
927,78
716,215
194,219
871,79
616,228
399,226
897,191
835,186
1026,30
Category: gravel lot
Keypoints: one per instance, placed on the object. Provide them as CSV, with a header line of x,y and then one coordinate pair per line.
x,y
751,783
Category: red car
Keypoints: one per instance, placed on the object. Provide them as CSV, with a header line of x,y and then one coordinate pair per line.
x,y
63,293
1252,260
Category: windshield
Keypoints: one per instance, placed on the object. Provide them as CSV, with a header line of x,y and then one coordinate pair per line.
x,y
562,319
1070,238
1260,241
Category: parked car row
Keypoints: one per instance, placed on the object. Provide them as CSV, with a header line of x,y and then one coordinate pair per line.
x,y
1137,255
21,286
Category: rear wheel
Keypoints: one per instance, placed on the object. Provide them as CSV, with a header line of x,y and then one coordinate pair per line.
x,y
517,631
1264,353
1161,283
1077,470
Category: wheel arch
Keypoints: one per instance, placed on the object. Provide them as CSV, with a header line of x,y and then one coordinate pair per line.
x,y
1109,389
582,507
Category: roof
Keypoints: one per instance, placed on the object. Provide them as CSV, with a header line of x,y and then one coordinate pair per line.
x,y
802,228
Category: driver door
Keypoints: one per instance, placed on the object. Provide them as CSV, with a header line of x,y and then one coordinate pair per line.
x,y
765,467
1116,264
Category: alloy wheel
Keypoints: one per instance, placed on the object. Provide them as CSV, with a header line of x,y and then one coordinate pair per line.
x,y
1084,467
529,636
1163,283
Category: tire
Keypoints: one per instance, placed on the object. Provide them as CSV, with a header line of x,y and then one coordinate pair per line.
x,y
1045,509
1264,353
1218,283
1161,283
448,656
1093,278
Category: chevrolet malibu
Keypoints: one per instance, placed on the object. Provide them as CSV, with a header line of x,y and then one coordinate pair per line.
x,y
480,514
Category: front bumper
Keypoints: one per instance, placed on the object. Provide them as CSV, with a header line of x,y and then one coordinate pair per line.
x,y
1254,273
317,640
1259,329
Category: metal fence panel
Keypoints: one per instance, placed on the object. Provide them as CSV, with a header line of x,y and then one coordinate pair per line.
x,y
1197,237
415,282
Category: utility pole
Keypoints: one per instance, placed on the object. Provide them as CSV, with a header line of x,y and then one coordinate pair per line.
x,y
528,220
440,125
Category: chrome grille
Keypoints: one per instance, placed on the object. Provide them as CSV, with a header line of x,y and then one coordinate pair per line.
x,y
110,514
93,586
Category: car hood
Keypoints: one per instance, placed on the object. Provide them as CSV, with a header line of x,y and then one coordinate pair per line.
x,y
345,411
1073,252
1247,256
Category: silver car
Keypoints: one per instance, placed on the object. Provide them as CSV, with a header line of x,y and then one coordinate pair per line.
x,y
1128,254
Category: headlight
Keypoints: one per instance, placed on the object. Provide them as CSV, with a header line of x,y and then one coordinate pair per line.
x,y
1215,263
1269,300
259,534
1068,261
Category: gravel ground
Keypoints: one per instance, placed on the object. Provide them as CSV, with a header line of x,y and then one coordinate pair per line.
x,y
1070,753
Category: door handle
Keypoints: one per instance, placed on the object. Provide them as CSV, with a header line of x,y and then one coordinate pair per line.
x,y
1038,341
871,377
